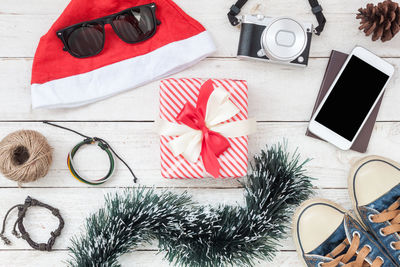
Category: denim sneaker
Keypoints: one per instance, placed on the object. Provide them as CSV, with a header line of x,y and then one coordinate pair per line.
x,y
374,185
326,235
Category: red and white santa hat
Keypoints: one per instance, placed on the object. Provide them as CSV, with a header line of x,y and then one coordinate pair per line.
x,y
60,80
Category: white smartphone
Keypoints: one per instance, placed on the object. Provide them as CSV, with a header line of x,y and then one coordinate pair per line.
x,y
351,98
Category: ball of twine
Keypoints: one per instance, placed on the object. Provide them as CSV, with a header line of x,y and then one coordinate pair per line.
x,y
25,156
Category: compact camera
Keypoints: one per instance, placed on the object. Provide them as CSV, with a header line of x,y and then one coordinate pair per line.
x,y
277,40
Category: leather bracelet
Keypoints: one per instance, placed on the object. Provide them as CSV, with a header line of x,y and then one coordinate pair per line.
x,y
22,209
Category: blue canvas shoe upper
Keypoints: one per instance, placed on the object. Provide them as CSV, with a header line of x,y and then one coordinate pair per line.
x,y
375,187
344,235
367,213
349,243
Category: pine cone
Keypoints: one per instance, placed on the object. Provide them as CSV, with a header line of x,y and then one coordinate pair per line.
x,y
382,20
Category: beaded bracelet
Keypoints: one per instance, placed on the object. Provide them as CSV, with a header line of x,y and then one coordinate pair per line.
x,y
74,172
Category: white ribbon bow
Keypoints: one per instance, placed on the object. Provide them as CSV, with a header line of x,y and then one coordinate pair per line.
x,y
219,109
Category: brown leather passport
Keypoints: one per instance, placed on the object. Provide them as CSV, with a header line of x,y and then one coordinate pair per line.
x,y
335,64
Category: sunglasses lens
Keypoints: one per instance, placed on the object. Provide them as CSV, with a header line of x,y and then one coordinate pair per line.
x,y
135,25
86,40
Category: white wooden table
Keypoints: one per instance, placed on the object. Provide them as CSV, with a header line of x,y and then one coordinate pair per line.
x,y
281,98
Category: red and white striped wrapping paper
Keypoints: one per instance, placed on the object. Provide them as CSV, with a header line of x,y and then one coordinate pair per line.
x,y
174,93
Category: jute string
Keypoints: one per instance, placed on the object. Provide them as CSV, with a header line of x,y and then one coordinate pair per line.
x,y
25,156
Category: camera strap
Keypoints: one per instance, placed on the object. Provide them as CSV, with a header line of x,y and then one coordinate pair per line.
x,y
316,9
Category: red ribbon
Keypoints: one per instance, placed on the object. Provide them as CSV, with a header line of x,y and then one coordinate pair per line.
x,y
213,143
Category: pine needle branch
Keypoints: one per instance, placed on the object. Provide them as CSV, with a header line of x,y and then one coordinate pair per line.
x,y
196,235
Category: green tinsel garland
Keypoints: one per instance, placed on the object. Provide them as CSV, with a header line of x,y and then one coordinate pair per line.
x,y
195,235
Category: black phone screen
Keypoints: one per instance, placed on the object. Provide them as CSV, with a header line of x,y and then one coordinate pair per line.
x,y
353,96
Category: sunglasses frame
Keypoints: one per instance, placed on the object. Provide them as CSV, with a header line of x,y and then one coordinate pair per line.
x,y
102,22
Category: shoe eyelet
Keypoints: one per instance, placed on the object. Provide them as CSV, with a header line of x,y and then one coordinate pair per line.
x,y
356,233
383,261
398,257
381,232
392,246
320,264
369,247
370,218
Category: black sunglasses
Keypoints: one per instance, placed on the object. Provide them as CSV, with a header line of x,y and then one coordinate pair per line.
x,y
132,25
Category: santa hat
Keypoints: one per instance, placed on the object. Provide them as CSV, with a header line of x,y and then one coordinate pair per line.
x,y
60,80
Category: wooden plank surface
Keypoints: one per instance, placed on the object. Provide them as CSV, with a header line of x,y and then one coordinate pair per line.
x,y
138,143
21,41
281,98
273,96
137,259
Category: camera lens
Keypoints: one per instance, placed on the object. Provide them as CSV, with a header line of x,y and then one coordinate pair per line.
x,y
284,39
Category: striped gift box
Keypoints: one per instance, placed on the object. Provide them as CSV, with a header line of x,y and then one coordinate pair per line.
x,y
174,93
